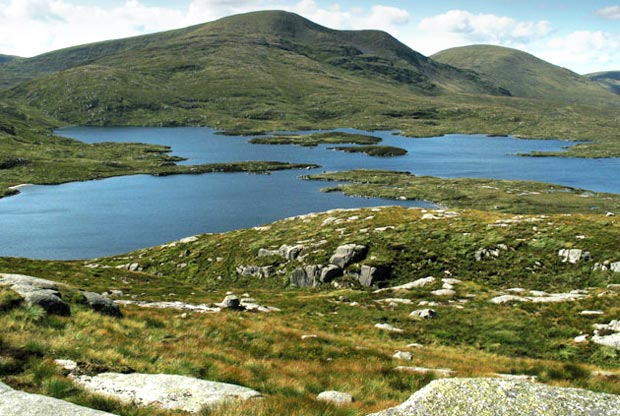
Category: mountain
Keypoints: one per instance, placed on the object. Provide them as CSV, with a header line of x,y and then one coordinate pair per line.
x,y
257,66
609,80
525,75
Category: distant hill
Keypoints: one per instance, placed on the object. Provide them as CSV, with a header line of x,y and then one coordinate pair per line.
x,y
6,58
525,75
609,80
259,66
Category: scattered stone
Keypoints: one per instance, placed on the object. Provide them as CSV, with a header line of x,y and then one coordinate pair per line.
x,y
38,292
415,345
451,281
102,304
347,254
200,308
335,397
615,267
507,298
167,391
133,267
285,251
388,328
491,396
581,338
443,292
68,365
17,403
403,355
440,372
516,377
591,313
539,297
411,285
254,271
310,336
574,255
395,301
610,214
490,253
371,275
424,313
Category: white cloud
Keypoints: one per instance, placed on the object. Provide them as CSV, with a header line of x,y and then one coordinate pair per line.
x,y
460,27
584,51
612,13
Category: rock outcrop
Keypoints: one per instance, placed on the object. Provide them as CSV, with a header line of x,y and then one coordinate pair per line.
x,y
348,254
314,275
39,292
574,255
167,391
370,275
17,403
488,396
285,251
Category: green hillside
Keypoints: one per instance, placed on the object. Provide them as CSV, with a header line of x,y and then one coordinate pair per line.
x,y
609,80
6,58
261,66
525,75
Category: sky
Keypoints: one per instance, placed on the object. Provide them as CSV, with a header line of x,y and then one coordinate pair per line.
x,y
583,36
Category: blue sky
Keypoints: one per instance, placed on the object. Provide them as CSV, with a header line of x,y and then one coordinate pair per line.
x,y
579,35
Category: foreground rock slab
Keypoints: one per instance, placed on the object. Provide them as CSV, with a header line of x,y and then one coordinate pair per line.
x,y
167,391
39,292
487,396
18,403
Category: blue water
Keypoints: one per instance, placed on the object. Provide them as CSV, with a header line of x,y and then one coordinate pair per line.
x,y
116,215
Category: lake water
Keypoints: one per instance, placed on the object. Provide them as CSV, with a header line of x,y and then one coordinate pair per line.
x,y
116,215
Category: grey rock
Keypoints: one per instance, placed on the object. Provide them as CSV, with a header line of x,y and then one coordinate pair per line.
x,y
102,304
439,372
411,285
388,328
615,267
17,403
329,273
443,292
166,391
133,267
231,302
370,275
39,292
335,397
308,276
480,396
403,355
254,271
574,255
348,254
290,252
424,313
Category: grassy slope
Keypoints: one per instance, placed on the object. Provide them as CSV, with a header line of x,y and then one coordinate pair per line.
x,y
265,352
609,80
236,73
525,75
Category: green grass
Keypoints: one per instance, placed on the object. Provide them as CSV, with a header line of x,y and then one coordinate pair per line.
x,y
519,197
380,151
265,351
315,139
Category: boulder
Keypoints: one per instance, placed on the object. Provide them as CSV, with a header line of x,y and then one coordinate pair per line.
x,y
17,403
490,396
424,313
388,328
102,304
411,285
308,276
38,292
615,267
231,302
335,397
348,254
290,252
443,292
370,275
329,273
167,391
574,255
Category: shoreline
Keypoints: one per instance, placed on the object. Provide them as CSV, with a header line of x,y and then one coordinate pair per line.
x,y
21,185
